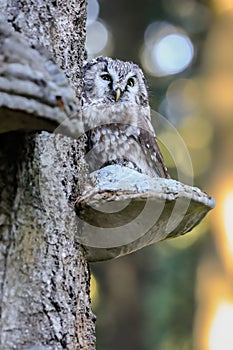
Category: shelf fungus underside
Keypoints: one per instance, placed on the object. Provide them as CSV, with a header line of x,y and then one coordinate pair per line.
x,y
126,210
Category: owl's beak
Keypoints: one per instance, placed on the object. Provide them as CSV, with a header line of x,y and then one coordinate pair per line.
x,y
118,94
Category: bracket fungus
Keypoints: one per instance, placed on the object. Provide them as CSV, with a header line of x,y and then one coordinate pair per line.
x,y
34,94
127,210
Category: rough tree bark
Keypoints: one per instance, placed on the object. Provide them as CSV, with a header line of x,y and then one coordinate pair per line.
x,y
44,276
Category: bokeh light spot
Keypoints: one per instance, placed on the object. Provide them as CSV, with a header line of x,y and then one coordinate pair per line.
x,y
97,38
167,49
196,131
92,11
173,53
218,92
227,213
182,99
221,336
94,291
201,160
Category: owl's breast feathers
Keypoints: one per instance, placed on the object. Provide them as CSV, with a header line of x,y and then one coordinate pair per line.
x,y
122,135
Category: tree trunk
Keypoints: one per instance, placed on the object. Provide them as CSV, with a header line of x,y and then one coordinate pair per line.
x,y
44,275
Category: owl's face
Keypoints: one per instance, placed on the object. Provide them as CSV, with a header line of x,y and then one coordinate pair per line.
x,y
114,81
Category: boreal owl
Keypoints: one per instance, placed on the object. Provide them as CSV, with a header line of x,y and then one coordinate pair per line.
x,y
117,119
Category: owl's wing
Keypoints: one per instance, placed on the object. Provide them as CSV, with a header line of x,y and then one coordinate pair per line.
x,y
149,144
150,147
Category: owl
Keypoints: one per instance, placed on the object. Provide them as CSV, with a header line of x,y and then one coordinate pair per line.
x,y
117,119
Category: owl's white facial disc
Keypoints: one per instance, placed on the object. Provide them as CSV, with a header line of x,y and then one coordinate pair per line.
x,y
114,81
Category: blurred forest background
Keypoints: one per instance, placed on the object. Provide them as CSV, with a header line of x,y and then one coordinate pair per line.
x,y
176,295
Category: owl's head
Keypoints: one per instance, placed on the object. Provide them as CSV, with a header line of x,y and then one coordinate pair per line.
x,y
114,81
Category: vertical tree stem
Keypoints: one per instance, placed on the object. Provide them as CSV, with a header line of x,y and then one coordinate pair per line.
x,y
44,277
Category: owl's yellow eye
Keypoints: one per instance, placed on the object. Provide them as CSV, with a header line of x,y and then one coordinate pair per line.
x,y
130,82
106,77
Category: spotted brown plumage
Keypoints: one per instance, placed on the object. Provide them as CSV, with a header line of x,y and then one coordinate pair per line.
x,y
117,118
